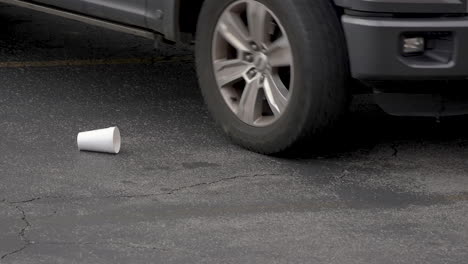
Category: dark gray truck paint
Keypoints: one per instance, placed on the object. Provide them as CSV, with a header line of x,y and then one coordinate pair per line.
x,y
163,16
375,51
130,12
159,16
374,42
77,6
405,6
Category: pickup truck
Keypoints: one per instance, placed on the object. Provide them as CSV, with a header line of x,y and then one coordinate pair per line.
x,y
277,73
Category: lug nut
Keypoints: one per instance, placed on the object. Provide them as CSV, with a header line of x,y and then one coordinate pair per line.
x,y
251,73
249,58
254,46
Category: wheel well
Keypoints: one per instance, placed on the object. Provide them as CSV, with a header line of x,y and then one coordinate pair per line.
x,y
188,15
189,10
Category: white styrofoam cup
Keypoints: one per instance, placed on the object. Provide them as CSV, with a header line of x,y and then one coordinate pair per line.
x,y
103,140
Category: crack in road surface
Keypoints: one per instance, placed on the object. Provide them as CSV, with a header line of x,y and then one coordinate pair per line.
x,y
26,201
218,181
22,232
127,245
169,192
395,149
27,224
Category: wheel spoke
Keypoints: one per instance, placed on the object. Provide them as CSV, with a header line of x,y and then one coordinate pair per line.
x,y
279,53
229,71
234,31
258,21
276,94
249,102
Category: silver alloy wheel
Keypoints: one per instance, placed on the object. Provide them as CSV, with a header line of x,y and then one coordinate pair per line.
x,y
253,62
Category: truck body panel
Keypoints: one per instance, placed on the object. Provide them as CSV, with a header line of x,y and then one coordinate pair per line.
x,y
405,6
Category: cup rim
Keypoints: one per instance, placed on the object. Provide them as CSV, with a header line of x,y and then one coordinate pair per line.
x,y
116,140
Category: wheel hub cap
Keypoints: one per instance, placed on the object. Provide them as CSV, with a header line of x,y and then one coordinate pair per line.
x,y
253,62
261,62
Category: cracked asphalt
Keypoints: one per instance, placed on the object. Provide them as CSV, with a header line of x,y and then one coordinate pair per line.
x,y
396,191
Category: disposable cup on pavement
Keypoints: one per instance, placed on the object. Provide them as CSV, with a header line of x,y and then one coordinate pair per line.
x,y
103,140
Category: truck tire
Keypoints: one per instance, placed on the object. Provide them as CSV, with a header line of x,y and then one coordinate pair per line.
x,y
273,73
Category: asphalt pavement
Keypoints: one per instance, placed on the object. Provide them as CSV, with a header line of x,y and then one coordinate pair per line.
x,y
396,191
